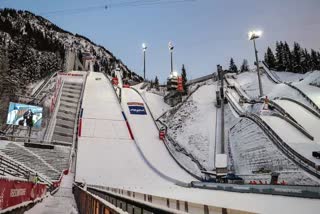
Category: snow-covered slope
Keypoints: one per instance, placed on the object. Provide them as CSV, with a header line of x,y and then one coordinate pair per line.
x,y
193,125
146,135
304,117
252,150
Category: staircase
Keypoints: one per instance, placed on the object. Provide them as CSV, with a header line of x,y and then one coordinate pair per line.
x,y
67,113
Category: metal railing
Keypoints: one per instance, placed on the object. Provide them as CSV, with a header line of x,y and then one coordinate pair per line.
x,y
306,97
272,76
302,105
13,168
145,203
297,158
88,203
176,145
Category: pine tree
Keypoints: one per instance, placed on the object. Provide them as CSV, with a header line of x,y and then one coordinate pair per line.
x,y
156,83
245,66
297,55
270,59
232,67
315,60
184,79
279,56
306,61
287,57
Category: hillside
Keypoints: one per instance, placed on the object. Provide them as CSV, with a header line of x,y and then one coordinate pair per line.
x,y
32,47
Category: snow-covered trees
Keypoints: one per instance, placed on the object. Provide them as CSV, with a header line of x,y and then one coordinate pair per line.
x,y
245,66
297,60
270,59
232,67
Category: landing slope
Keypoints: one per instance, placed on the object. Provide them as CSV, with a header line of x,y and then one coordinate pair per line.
x,y
147,138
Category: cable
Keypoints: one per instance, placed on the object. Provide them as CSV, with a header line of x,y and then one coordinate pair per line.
x,y
123,4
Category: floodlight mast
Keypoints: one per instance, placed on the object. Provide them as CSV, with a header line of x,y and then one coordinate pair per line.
x,y
144,49
171,47
253,35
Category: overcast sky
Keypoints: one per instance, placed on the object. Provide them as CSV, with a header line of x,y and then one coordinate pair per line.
x,y
205,32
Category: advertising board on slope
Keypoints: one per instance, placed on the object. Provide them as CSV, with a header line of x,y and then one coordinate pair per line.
x,y
24,115
137,108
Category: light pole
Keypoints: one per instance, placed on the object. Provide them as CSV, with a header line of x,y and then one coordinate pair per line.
x,y
253,35
171,47
144,48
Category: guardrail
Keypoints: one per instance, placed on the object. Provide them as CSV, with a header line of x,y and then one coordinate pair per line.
x,y
295,124
13,168
303,105
145,203
301,161
182,150
168,138
89,203
175,181
272,76
292,191
297,158
306,97
201,79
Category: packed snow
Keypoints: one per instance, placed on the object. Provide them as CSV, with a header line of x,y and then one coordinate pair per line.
x,y
193,125
305,118
61,202
149,141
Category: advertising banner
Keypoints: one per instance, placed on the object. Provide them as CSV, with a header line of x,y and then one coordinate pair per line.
x,y
137,108
13,192
24,115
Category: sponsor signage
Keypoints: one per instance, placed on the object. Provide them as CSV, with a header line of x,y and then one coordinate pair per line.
x,y
137,108
24,115
13,193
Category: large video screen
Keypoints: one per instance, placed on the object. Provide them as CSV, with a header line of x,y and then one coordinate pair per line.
x,y
24,115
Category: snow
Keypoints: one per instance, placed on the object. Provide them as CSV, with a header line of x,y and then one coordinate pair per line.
x,y
117,162
221,161
293,137
252,150
193,125
289,76
312,92
249,83
156,103
304,117
149,141
62,201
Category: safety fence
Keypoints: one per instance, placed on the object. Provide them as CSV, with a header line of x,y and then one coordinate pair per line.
x,y
138,203
202,79
304,163
42,86
15,169
300,160
315,106
16,193
271,75
167,139
284,190
88,203
274,77
302,105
